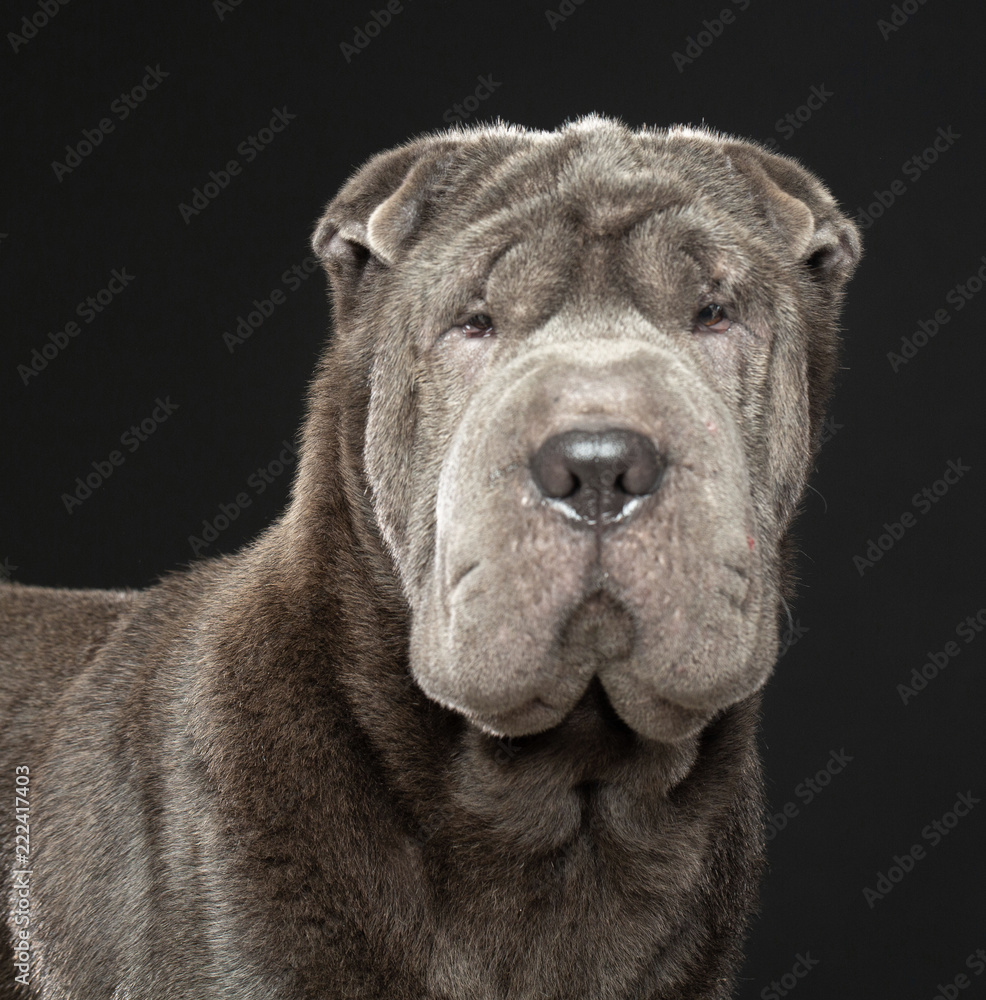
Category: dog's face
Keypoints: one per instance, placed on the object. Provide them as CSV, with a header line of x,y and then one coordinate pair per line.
x,y
596,361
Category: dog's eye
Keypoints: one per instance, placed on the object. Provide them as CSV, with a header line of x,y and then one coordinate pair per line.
x,y
712,319
479,325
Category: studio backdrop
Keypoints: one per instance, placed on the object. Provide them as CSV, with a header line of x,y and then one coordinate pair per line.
x,y
164,166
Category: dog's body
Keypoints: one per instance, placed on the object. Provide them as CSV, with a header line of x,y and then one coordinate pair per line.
x,y
476,717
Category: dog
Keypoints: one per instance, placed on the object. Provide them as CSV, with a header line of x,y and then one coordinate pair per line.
x,y
475,719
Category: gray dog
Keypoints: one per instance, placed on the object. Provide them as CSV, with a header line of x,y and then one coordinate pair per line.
x,y
475,719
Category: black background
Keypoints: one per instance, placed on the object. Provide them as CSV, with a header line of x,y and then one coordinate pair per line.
x,y
860,635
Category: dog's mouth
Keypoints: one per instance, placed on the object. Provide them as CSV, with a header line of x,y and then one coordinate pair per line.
x,y
597,640
592,722
598,632
590,742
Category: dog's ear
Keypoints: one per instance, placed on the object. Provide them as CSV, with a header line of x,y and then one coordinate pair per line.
x,y
800,208
378,210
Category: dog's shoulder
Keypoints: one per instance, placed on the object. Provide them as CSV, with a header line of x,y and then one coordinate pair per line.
x,y
47,636
59,624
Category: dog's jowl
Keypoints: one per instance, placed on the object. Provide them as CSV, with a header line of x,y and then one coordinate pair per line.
x,y
475,719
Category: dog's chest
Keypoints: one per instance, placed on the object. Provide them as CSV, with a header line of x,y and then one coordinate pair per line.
x,y
585,923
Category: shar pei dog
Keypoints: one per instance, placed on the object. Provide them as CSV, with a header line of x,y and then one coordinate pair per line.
x,y
475,719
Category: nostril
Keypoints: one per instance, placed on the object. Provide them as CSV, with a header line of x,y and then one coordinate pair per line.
x,y
553,476
645,471
597,473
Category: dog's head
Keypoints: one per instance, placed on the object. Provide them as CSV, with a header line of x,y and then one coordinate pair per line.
x,y
592,364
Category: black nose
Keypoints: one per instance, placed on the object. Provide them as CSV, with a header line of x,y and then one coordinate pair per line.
x,y
598,475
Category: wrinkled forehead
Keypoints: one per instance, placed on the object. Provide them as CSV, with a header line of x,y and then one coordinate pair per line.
x,y
602,183
557,219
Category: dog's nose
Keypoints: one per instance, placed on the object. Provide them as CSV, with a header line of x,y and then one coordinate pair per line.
x,y
599,476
